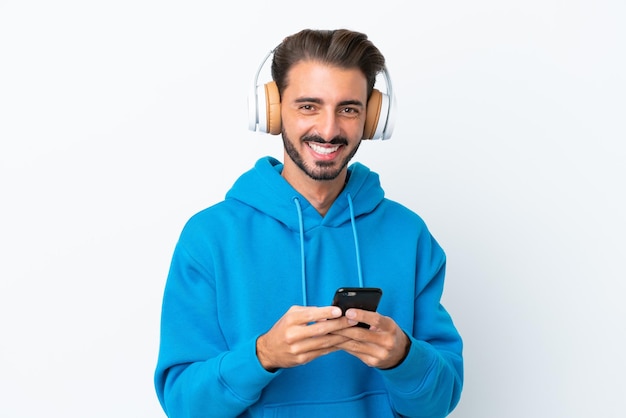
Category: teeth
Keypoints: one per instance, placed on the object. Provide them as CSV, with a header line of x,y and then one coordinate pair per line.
x,y
323,150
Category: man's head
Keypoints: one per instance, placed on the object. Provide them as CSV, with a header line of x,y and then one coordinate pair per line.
x,y
325,79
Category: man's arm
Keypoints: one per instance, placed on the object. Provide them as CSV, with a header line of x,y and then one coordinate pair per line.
x,y
197,374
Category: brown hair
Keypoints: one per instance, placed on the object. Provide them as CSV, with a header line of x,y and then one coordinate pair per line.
x,y
342,48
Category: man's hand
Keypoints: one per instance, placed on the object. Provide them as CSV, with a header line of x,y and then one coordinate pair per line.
x,y
301,335
384,345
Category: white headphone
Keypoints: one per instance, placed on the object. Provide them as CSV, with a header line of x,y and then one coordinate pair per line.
x,y
264,108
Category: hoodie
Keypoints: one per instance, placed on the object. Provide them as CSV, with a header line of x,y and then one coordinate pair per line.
x,y
241,264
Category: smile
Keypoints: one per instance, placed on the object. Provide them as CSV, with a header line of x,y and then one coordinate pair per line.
x,y
324,150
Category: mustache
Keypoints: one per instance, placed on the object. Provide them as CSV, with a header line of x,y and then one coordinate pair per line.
x,y
338,140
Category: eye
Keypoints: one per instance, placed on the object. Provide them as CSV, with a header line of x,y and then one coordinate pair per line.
x,y
350,111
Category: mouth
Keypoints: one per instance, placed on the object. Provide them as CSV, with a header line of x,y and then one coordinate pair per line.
x,y
323,149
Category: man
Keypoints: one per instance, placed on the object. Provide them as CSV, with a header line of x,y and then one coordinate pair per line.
x,y
246,327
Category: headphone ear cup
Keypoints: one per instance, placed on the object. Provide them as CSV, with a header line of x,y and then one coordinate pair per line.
x,y
272,98
374,109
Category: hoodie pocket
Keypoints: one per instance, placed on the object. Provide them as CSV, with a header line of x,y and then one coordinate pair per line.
x,y
369,405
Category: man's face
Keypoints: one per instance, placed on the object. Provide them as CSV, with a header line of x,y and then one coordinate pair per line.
x,y
323,115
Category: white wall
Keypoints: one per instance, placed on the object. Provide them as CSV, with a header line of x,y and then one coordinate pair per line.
x,y
120,119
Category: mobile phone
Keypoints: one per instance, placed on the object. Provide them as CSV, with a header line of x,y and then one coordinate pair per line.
x,y
366,298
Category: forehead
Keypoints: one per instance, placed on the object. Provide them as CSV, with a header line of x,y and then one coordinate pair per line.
x,y
313,78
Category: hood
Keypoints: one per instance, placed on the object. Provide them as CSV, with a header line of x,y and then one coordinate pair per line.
x,y
264,189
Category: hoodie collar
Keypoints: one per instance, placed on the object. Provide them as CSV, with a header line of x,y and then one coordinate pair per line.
x,y
264,189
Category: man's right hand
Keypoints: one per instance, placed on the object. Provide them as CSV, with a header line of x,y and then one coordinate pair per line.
x,y
302,334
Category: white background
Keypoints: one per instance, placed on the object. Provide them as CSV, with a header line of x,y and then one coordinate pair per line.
x,y
120,119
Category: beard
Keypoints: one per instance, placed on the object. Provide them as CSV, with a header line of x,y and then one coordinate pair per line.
x,y
322,170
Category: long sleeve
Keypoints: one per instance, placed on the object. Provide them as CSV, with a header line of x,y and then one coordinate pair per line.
x,y
428,383
197,375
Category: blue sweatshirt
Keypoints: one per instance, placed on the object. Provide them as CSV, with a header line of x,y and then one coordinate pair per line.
x,y
241,264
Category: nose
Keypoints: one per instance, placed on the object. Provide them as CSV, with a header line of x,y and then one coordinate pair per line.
x,y
328,125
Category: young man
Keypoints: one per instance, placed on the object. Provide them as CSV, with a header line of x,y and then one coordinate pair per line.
x,y
246,327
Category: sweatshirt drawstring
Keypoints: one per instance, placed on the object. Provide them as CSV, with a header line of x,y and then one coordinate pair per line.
x,y
302,257
302,262
356,241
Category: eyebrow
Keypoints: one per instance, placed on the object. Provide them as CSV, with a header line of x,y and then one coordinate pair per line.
x,y
319,101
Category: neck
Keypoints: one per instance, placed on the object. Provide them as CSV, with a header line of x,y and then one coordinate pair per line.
x,y
319,193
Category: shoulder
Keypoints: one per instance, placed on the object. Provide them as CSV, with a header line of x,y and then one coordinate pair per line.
x,y
398,213
213,219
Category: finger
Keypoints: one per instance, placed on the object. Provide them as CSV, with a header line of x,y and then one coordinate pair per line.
x,y
325,342
373,319
310,322
326,327
362,349
361,335
310,352
370,354
310,314
308,349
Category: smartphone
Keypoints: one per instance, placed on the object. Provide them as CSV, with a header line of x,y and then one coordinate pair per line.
x,y
366,298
